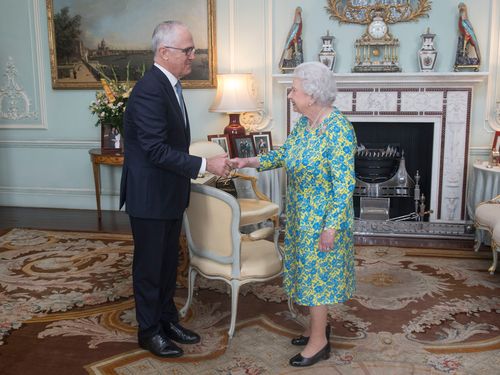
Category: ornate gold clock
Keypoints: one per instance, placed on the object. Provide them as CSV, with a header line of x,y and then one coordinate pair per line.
x,y
377,49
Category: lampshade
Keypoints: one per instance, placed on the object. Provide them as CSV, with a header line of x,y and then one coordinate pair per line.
x,y
234,94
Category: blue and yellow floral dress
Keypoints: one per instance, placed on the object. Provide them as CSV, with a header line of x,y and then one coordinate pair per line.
x,y
320,183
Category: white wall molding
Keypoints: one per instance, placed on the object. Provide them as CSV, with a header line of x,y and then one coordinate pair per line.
x,y
38,71
71,198
55,144
492,119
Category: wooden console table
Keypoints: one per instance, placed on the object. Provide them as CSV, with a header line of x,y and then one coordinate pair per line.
x,y
98,157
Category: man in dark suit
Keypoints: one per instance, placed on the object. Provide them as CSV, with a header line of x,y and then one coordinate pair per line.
x,y
155,186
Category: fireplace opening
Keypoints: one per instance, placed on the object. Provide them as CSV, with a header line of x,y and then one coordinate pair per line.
x,y
387,160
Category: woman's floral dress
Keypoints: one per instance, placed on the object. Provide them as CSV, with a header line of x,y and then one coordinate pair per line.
x,y
320,183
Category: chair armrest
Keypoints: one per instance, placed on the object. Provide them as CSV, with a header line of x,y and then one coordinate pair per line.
x,y
253,181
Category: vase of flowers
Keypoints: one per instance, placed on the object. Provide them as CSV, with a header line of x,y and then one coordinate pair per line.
x,y
109,107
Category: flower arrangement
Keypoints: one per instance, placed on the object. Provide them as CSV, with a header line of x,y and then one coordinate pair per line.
x,y
110,104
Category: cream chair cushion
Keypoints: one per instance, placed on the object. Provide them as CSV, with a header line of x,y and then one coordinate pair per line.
x,y
258,259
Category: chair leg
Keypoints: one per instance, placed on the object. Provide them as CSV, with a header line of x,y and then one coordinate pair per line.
x,y
235,290
478,239
191,278
495,249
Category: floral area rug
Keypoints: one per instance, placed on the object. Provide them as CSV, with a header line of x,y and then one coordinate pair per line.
x,y
44,272
415,312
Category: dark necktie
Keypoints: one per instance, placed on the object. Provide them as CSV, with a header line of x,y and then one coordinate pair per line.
x,y
178,88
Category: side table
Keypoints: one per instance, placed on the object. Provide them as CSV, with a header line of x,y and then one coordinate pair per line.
x,y
484,185
98,157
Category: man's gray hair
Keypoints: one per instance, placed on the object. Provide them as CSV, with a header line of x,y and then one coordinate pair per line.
x,y
317,81
165,33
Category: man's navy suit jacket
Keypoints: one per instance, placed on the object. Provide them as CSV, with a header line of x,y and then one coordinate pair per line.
x,y
157,169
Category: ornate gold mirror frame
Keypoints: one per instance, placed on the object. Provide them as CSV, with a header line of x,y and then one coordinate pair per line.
x,y
361,11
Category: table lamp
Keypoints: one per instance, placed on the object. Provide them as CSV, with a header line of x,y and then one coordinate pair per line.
x,y
234,96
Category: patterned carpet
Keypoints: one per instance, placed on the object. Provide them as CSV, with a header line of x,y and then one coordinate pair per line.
x,y
66,304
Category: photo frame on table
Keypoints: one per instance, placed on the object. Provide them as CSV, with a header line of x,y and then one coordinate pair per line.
x,y
496,141
86,39
111,139
262,141
223,141
243,146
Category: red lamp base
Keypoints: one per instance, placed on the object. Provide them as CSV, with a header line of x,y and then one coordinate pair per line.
x,y
234,127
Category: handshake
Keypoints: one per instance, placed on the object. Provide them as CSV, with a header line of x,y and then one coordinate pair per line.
x,y
220,165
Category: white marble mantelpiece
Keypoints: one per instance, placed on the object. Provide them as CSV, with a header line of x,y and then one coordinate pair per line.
x,y
416,79
444,99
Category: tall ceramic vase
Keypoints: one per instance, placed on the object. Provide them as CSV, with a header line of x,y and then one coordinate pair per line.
x,y
427,54
327,55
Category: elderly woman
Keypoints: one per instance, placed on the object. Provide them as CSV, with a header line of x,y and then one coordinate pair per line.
x,y
319,159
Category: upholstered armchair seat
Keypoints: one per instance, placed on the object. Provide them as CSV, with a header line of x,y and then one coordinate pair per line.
x,y
258,259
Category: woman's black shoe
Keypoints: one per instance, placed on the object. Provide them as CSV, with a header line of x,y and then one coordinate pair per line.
x,y
300,361
303,340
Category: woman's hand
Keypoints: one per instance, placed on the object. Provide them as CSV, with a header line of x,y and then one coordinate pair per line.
x,y
244,162
327,240
238,163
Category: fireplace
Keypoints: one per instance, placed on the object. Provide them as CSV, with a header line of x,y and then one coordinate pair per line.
x,y
432,112
386,150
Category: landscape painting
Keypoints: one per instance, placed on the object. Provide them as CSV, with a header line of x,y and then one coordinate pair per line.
x,y
89,38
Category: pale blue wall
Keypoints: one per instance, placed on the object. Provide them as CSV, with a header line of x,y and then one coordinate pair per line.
x,y
46,163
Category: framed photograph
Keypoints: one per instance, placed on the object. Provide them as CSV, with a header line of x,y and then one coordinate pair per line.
x,y
90,37
291,115
262,141
223,141
243,146
111,139
496,141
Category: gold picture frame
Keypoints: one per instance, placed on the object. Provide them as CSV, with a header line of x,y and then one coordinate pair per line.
x,y
76,60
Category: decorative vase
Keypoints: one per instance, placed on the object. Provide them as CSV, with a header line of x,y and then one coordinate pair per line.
x,y
427,54
327,55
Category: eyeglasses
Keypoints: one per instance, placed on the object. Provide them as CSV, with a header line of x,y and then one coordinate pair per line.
x,y
187,51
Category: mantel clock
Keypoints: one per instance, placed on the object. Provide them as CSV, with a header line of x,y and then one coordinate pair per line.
x,y
377,49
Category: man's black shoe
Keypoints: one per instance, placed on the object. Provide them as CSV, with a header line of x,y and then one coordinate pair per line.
x,y
176,332
161,346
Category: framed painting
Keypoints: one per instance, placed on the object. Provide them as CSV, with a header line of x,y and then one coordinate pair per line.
x,y
223,141
243,146
262,141
91,37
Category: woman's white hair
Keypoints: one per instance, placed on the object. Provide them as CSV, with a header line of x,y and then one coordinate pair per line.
x,y
317,81
165,33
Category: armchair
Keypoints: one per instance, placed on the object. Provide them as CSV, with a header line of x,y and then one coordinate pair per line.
x,y
253,210
487,218
216,249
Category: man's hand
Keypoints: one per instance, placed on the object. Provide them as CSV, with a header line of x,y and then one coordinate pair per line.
x,y
219,165
327,240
